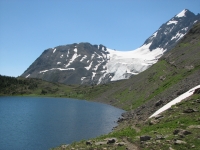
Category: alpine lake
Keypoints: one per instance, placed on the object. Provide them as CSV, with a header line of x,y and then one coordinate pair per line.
x,y
43,123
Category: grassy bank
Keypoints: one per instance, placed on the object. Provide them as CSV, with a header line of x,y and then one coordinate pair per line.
x,y
177,128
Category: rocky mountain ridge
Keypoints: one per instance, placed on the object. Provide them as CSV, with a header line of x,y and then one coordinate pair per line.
x,y
84,63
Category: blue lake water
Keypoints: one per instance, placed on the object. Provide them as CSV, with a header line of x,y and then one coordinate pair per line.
x,y
43,123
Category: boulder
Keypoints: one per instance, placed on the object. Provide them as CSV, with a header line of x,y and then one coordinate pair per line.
x,y
121,144
63,147
160,137
197,100
177,142
176,131
185,132
145,138
153,121
111,140
189,110
158,116
158,103
181,132
197,91
88,142
194,126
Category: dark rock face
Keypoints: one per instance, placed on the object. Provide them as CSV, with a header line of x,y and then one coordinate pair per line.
x,y
197,91
81,63
173,30
145,138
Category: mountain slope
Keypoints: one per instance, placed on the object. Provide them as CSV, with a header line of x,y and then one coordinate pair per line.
x,y
173,30
84,63
176,72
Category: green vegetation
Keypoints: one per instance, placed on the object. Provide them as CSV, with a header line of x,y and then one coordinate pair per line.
x,y
35,87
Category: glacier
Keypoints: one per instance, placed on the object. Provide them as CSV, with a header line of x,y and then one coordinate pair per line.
x,y
123,64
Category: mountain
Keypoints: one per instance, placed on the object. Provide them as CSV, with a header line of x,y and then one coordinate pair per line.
x,y
84,63
173,30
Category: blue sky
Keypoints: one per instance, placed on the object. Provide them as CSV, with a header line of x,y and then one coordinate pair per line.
x,y
28,27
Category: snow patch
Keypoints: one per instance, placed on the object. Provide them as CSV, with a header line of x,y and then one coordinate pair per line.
x,y
68,53
54,50
98,56
83,78
102,77
155,34
43,71
172,22
195,21
73,57
93,75
176,100
181,14
61,69
178,36
83,58
58,63
61,56
88,68
97,66
186,28
92,56
27,75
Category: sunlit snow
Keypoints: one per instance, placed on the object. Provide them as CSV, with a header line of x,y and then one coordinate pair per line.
x,y
182,13
123,62
195,21
178,36
27,75
61,69
93,75
88,68
92,56
155,34
73,57
176,100
68,53
84,57
43,71
54,50
83,78
172,22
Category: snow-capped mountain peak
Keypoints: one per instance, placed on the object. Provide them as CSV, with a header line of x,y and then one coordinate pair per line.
x,y
173,30
182,13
